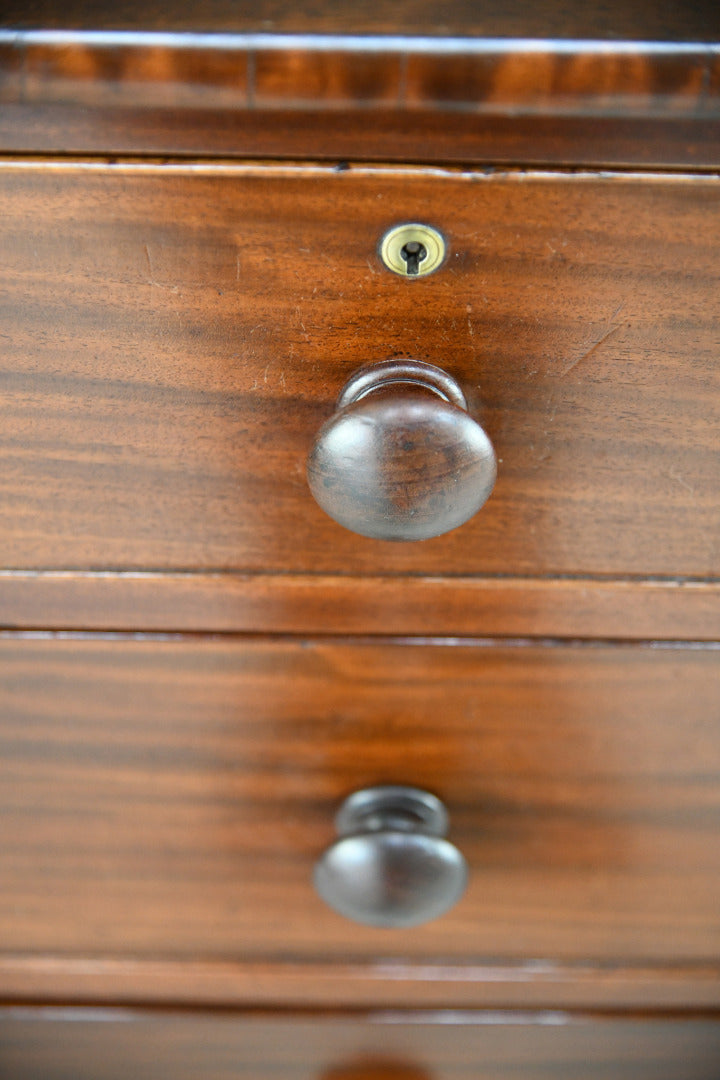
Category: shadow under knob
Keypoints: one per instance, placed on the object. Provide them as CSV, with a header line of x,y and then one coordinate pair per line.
x,y
391,866
401,459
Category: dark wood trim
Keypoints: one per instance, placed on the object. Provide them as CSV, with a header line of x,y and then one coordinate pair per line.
x,y
109,1043
603,20
363,98
322,604
394,984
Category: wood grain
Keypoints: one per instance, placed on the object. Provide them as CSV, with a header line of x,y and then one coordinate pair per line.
x,y
172,338
423,135
612,20
103,1044
168,798
361,98
176,335
342,604
371,984
247,72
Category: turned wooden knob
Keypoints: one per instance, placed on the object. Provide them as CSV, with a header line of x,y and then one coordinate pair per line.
x,y
391,865
401,459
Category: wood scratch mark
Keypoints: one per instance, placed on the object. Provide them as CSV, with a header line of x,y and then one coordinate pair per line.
x,y
151,278
585,356
706,77
681,480
237,266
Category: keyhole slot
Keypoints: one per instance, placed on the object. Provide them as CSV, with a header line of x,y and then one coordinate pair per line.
x,y
413,253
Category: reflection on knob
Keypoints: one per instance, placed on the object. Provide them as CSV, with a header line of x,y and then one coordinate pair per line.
x,y
401,459
391,866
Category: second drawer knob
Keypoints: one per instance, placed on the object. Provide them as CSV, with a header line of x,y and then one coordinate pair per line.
x,y
391,866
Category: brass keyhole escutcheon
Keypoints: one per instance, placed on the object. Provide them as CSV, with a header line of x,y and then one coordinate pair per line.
x,y
412,250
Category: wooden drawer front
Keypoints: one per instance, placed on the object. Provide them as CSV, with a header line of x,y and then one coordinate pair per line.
x,y
173,337
169,797
67,1044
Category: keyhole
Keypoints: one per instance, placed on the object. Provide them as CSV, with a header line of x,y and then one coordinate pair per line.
x,y
412,250
413,254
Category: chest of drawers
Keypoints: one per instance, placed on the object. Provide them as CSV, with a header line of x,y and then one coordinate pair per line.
x,y
198,665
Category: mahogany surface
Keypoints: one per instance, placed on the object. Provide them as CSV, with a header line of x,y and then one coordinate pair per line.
x,y
649,609
362,98
612,20
168,360
168,797
175,327
105,1044
395,982
393,135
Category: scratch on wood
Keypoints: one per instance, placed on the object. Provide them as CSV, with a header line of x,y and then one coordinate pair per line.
x,y
469,323
674,475
574,363
151,278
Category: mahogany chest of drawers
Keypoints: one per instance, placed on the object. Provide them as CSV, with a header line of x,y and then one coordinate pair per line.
x,y
197,664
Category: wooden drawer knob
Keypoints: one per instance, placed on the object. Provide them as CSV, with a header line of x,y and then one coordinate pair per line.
x,y
391,866
401,459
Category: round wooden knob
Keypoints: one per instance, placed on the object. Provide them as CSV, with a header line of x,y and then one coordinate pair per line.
x,y
391,866
401,459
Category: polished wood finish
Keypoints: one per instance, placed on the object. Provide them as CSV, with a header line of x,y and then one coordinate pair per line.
x,y
312,73
105,1044
343,604
392,136
383,983
165,798
613,20
174,332
167,366
371,98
